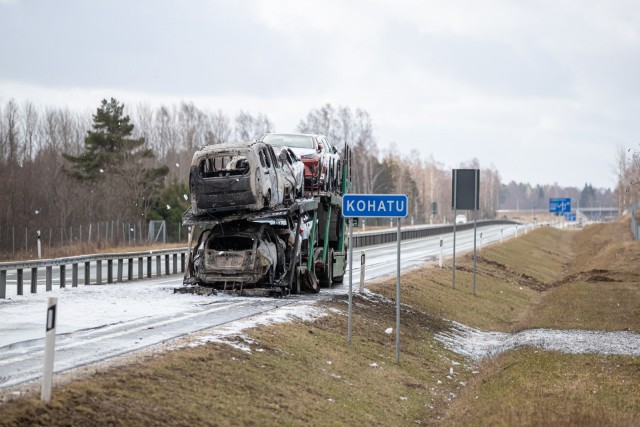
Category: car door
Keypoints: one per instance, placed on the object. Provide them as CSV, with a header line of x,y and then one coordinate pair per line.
x,y
267,175
277,175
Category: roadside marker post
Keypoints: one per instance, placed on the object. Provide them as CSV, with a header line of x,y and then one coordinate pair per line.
x,y
376,206
440,262
50,329
362,263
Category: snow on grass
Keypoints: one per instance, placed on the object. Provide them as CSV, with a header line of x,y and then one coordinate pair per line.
x,y
477,345
231,333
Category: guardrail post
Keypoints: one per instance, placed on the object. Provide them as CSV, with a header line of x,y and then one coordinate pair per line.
x,y
34,280
182,257
158,265
167,271
87,273
140,269
99,272
119,270
3,284
149,266
109,271
48,278
130,269
175,263
63,278
20,284
74,275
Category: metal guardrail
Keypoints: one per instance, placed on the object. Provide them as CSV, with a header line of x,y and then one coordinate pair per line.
x,y
362,239
378,238
48,264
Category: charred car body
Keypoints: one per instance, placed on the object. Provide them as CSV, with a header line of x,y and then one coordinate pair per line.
x,y
235,176
322,163
293,170
240,253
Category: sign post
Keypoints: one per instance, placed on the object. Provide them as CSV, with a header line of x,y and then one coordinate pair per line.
x,y
465,194
377,206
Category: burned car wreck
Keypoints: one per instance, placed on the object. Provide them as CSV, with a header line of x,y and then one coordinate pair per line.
x,y
233,255
236,176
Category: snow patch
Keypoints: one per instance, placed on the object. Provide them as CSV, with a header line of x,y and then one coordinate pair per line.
x,y
476,344
231,333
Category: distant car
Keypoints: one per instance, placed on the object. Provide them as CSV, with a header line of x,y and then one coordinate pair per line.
x,y
293,168
240,253
321,160
461,219
236,176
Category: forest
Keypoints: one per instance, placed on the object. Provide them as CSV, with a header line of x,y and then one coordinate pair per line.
x,y
105,174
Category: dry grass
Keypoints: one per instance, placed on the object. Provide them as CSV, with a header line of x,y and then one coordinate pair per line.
x,y
539,388
296,374
304,373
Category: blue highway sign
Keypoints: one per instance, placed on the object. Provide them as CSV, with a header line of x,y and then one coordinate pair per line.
x,y
559,205
570,216
375,205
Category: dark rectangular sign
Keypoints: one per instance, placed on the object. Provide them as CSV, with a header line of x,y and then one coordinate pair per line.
x,y
465,189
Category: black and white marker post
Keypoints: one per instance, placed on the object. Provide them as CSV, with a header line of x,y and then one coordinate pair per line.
x,y
49,348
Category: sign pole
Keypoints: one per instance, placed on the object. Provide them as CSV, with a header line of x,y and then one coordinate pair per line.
x,y
475,228
350,324
455,185
377,206
398,297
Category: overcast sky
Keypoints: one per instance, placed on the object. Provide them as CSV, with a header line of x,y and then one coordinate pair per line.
x,y
545,91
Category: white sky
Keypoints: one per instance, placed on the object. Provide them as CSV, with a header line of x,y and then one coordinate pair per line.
x,y
545,91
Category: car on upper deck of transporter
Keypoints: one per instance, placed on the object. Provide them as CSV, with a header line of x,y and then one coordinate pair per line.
x,y
322,163
236,176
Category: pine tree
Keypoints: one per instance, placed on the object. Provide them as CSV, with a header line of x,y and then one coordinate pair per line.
x,y
116,164
108,146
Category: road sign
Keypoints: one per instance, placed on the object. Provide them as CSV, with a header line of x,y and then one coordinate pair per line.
x,y
375,205
559,205
570,216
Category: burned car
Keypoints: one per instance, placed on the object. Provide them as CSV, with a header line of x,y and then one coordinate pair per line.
x,y
321,160
241,253
293,170
235,176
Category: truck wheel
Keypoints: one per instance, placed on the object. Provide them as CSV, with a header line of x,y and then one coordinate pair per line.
x,y
328,270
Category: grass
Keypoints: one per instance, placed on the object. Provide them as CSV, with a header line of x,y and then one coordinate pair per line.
x,y
305,373
531,387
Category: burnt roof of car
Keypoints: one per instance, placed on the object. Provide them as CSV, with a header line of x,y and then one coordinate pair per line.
x,y
229,145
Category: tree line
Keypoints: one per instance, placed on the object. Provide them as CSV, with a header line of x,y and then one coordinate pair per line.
x,y
60,167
